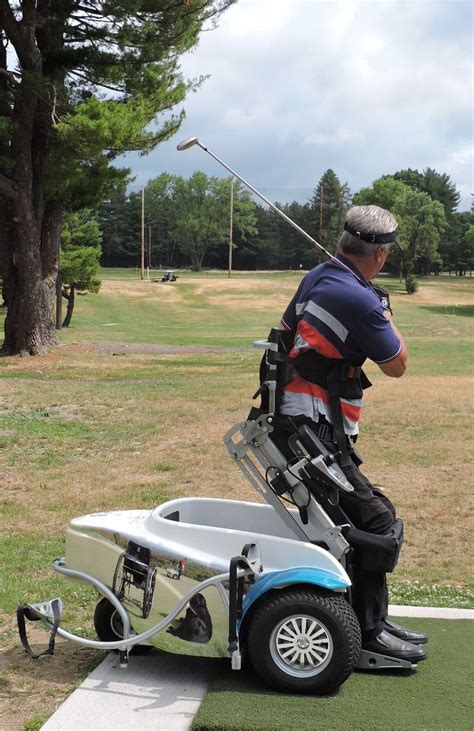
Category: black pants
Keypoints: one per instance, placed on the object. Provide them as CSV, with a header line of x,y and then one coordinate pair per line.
x,y
368,509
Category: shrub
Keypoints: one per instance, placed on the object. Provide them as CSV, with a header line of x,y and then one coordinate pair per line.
x,y
411,284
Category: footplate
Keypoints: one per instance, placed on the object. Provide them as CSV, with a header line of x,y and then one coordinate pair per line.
x,y
42,610
375,661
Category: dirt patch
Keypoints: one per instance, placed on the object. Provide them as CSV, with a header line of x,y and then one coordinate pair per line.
x,y
33,689
118,349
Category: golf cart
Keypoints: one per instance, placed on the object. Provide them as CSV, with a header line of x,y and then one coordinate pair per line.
x,y
268,582
168,277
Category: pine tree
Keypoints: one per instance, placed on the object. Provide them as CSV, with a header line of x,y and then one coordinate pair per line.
x,y
329,204
88,80
79,259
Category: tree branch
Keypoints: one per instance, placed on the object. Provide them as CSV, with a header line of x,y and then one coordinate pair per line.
x,y
9,75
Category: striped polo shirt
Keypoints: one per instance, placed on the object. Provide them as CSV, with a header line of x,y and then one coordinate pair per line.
x,y
335,312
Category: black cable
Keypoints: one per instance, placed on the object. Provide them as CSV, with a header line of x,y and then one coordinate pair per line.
x,y
271,467
292,501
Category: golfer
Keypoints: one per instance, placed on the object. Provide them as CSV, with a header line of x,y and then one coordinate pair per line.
x,y
335,316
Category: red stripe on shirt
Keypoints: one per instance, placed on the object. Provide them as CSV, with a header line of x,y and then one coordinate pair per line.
x,y
352,412
316,341
299,385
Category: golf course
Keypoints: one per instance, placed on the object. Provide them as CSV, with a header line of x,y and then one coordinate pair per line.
x,y
130,411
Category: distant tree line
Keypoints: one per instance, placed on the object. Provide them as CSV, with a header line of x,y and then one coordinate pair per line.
x,y
187,224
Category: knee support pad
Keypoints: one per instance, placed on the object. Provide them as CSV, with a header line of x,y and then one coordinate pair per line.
x,y
376,552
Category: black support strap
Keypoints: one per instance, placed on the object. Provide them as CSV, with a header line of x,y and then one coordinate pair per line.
x,y
334,391
25,611
236,593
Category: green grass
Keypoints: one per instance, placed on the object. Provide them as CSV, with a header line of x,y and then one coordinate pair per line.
x,y
32,577
437,696
417,593
34,724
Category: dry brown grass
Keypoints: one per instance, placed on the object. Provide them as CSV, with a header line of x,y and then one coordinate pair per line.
x,y
459,294
261,294
416,443
150,290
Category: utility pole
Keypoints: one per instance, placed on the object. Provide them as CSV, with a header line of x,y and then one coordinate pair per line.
x,y
231,223
149,250
142,273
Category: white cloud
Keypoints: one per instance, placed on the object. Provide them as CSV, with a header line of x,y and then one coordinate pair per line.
x,y
298,86
340,136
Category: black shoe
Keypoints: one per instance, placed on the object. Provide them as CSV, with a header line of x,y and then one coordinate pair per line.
x,y
387,644
416,638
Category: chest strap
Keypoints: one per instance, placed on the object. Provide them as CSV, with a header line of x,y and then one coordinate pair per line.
x,y
341,380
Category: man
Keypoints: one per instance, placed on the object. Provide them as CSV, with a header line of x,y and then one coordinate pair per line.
x,y
338,317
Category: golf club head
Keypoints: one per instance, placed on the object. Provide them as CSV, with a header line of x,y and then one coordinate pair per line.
x,y
187,143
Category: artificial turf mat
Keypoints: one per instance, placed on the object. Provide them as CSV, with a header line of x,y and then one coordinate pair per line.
x,y
437,695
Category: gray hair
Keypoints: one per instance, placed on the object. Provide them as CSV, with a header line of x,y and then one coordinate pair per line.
x,y
367,220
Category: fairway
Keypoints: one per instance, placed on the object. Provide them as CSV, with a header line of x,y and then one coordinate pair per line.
x,y
131,411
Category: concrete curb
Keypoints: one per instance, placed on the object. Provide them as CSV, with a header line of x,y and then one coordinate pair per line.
x,y
161,691
399,610
157,691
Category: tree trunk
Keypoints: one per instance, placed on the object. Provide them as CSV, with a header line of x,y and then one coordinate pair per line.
x,y
70,306
29,245
197,260
30,259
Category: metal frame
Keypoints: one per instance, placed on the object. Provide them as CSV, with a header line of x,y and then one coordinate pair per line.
x,y
254,441
43,611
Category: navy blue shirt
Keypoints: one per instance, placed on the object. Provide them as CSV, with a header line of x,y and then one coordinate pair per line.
x,y
335,312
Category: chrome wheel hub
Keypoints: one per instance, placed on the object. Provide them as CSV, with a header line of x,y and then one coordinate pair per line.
x,y
301,645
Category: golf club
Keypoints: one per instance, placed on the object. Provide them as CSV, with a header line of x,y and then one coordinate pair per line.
x,y
191,141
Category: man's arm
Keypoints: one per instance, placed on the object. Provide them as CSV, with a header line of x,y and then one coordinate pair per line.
x,y
398,365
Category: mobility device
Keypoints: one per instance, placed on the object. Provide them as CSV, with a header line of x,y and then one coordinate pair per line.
x,y
266,582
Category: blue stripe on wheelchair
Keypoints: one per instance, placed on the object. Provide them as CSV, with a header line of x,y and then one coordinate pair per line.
x,y
279,579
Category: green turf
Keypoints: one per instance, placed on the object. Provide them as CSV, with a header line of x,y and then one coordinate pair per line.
x,y
438,695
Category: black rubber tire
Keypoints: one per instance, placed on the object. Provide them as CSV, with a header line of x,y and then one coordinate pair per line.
x,y
337,617
107,622
109,627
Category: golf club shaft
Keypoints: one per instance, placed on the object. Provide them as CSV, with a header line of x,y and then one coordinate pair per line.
x,y
271,205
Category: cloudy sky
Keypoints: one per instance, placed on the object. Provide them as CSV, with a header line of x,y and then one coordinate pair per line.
x,y
298,86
